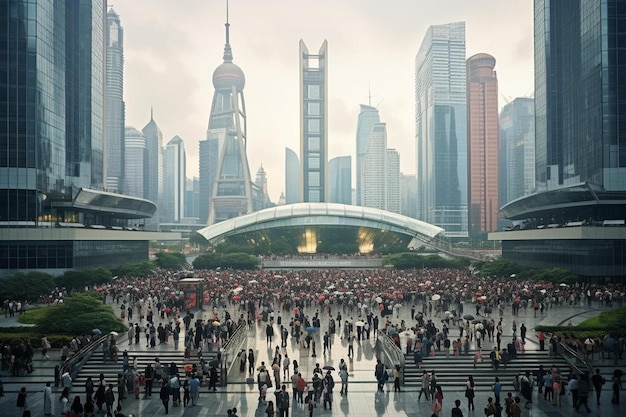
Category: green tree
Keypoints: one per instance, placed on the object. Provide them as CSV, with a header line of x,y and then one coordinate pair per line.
x,y
29,286
197,239
140,269
168,260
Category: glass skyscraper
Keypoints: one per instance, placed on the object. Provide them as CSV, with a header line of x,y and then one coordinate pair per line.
x,y
153,171
441,129
368,117
580,57
174,181
51,101
115,116
340,180
292,177
313,124
136,163
380,171
517,149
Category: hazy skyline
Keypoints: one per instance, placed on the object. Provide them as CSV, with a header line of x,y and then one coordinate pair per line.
x,y
172,48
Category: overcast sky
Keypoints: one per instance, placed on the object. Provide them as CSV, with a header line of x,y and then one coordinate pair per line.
x,y
171,49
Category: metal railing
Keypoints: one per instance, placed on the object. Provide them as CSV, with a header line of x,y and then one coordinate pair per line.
x,y
390,354
574,359
229,352
74,364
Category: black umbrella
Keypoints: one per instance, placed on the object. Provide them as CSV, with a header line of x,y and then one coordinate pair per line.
x,y
328,368
214,363
469,317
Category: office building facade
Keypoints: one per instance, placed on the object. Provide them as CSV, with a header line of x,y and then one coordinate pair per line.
x,y
441,129
208,156
292,177
313,124
380,171
580,166
368,117
517,150
340,180
154,170
483,140
54,212
136,163
115,108
174,181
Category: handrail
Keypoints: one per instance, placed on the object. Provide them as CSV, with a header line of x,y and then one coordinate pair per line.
x,y
572,357
391,352
230,350
74,364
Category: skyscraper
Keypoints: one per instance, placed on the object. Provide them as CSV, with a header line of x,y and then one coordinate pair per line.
x,y
441,128
136,163
313,124
408,197
154,169
368,117
292,177
232,193
517,149
580,149
380,170
208,156
115,116
52,96
261,182
340,180
54,212
483,139
174,181
579,61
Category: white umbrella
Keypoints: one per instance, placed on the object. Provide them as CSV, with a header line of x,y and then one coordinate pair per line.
x,y
331,287
254,281
397,306
483,297
563,285
378,300
359,323
114,334
435,297
238,289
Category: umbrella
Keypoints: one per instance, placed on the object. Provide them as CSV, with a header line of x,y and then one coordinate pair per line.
x,y
349,293
310,329
435,297
483,297
214,363
114,334
96,332
216,323
328,368
236,298
563,285
253,281
468,317
188,367
359,323
238,289
397,306
476,321
378,300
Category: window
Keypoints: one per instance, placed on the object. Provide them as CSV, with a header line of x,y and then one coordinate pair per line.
x,y
313,92
314,143
313,109
314,179
314,162
314,125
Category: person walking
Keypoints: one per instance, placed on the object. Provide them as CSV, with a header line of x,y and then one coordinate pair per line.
x,y
343,375
496,388
597,381
583,393
491,408
380,373
469,393
65,402
282,402
165,396
22,403
194,390
396,379
48,404
617,386
269,410
109,398
148,374
186,395
425,386
456,411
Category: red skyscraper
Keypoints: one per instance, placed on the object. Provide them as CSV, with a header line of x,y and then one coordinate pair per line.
x,y
483,142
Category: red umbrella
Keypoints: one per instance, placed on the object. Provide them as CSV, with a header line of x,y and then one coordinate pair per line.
x,y
400,296
236,298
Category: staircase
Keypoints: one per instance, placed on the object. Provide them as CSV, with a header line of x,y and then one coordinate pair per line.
x,y
96,365
452,372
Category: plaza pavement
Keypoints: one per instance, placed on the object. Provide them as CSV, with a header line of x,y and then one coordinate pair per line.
x,y
362,399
